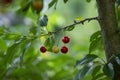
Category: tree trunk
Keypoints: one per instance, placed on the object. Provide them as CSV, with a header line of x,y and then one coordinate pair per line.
x,y
109,29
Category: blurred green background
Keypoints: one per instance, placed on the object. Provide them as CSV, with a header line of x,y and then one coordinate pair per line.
x,y
48,66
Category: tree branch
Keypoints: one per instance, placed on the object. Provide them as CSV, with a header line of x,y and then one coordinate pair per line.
x,y
75,23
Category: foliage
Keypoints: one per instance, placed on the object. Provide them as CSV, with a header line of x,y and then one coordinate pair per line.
x,y
20,58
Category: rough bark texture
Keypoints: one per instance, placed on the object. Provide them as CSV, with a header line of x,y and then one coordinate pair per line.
x,y
109,28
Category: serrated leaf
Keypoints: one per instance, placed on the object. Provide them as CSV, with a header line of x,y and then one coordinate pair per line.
x,y
95,70
95,35
108,70
81,74
88,58
52,3
95,44
65,1
70,28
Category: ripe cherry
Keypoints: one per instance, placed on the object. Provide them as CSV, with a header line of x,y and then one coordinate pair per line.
x,y
43,49
38,5
55,49
8,1
65,39
64,49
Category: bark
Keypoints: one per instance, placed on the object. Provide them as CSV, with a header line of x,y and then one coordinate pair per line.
x,y
109,29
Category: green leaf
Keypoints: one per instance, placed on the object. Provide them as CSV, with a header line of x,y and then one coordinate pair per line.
x,y
11,36
27,45
95,41
52,3
33,30
12,50
100,75
108,70
70,28
43,21
88,0
96,69
88,58
95,44
3,45
25,4
81,74
65,1
118,2
117,60
106,78
95,35
2,30
49,43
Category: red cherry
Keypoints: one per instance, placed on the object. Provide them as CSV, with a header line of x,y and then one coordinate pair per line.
x,y
64,49
65,39
8,1
43,49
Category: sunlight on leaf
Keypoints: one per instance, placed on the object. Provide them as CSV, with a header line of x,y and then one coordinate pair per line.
x,y
96,69
81,74
88,58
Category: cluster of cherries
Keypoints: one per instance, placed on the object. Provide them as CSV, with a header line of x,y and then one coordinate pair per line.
x,y
55,49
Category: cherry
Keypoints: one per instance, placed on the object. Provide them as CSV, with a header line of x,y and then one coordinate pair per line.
x,y
43,49
64,49
7,1
65,39
38,5
55,49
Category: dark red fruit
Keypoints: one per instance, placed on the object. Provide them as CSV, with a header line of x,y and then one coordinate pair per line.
x,y
8,1
64,49
43,49
65,39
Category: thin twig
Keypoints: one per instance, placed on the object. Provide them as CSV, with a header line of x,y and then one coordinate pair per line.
x,y
75,23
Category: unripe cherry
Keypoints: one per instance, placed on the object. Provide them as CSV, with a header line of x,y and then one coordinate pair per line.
x,y
38,5
43,49
65,39
55,49
64,49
